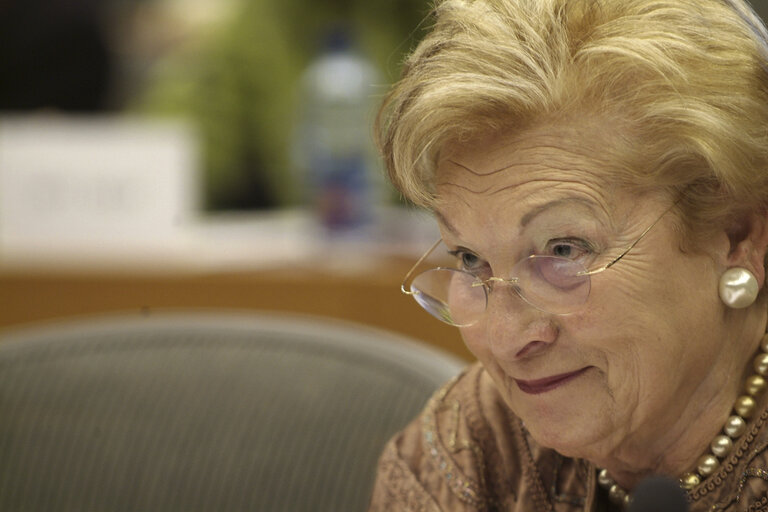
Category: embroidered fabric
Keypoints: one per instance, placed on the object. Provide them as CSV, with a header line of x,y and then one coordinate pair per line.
x,y
468,452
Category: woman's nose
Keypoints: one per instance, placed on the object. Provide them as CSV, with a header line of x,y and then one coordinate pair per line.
x,y
515,329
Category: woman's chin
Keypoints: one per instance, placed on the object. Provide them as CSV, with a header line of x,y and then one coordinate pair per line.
x,y
569,442
572,423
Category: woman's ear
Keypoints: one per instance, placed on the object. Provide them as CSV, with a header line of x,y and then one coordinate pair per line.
x,y
749,243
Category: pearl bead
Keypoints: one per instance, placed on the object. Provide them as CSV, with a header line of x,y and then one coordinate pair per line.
x,y
627,501
764,343
745,406
604,480
721,446
738,288
617,494
755,385
735,427
689,480
761,364
707,465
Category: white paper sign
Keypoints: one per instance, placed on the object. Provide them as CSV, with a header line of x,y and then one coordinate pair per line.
x,y
94,185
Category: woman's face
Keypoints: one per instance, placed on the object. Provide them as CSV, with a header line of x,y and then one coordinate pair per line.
x,y
650,345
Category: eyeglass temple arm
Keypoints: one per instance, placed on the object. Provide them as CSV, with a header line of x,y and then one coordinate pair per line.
x,y
626,251
415,266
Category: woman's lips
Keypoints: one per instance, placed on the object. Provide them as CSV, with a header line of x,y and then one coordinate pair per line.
x,y
535,387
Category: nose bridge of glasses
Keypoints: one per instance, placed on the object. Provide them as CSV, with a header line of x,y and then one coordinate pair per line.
x,y
512,286
509,299
491,281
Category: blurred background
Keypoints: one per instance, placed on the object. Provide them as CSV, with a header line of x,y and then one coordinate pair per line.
x,y
231,68
211,154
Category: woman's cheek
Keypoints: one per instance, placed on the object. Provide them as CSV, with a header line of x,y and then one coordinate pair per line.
x,y
476,339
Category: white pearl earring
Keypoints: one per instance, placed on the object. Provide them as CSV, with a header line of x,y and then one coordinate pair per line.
x,y
738,288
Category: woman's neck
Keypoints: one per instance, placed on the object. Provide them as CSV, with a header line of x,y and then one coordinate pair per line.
x,y
673,453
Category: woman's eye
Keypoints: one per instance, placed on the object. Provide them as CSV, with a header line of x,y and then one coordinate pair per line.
x,y
570,249
469,262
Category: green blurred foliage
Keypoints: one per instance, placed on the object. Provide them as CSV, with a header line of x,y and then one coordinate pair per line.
x,y
238,85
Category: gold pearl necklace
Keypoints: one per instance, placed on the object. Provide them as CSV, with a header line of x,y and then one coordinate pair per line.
x,y
735,426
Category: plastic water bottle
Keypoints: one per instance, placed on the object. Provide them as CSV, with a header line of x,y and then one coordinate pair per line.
x,y
334,149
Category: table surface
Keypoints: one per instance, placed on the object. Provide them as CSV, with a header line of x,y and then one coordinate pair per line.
x,y
368,294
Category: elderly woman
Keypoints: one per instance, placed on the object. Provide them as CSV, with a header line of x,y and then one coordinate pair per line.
x,y
598,170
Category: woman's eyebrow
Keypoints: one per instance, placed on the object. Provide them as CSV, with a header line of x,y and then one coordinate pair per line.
x,y
528,217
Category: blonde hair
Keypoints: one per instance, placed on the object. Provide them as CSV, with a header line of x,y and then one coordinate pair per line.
x,y
688,80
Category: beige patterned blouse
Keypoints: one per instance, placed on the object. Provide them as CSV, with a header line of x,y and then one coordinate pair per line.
x,y
468,452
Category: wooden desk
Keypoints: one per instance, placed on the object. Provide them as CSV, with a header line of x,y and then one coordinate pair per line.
x,y
370,297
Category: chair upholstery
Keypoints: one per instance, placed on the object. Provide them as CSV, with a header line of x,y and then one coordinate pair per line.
x,y
203,411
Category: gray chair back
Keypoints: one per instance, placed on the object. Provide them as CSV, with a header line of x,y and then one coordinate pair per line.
x,y
203,412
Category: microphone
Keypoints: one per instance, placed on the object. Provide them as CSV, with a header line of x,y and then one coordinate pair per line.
x,y
658,494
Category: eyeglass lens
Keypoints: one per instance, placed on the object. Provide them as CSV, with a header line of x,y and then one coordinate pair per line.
x,y
552,284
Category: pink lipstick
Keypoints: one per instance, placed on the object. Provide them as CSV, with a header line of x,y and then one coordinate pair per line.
x,y
538,386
